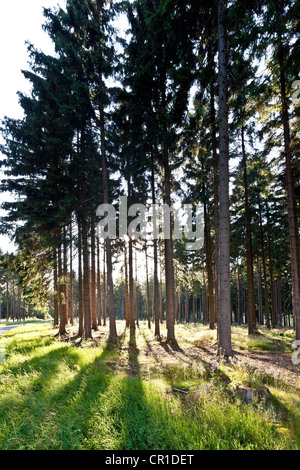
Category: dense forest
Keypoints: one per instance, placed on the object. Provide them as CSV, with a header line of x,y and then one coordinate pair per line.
x,y
157,101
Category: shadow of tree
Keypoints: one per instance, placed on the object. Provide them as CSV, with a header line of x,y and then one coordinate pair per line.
x,y
62,409
142,425
290,417
95,408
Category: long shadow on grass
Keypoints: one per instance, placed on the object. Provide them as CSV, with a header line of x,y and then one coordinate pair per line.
x,y
77,400
148,422
60,412
289,417
140,419
133,355
127,412
140,423
72,415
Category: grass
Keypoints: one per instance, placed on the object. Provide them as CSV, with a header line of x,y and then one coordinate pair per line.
x,y
141,394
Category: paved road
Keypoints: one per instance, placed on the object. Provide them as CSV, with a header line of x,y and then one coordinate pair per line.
x,y
5,329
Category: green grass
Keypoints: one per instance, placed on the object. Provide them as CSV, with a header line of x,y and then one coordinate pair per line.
x,y
58,395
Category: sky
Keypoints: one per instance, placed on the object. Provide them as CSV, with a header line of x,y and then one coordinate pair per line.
x,y
20,21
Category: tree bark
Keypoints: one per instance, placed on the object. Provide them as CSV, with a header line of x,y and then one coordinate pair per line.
x,y
239,296
55,280
110,286
71,279
7,300
65,277
263,254
291,200
62,320
250,275
93,279
136,290
80,293
127,309
87,333
187,304
216,199
99,297
155,255
104,286
147,288
209,262
224,331
259,293
113,337
169,251
131,289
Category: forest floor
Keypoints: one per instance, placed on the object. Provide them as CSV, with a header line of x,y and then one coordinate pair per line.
x,y
267,355
64,393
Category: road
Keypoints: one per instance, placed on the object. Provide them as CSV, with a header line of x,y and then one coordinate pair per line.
x,y
5,329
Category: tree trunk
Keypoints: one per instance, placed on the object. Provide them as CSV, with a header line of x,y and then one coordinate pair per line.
x,y
170,282
155,255
216,197
7,300
176,303
161,312
205,302
290,185
86,283
179,302
56,311
62,320
104,285
99,299
194,307
187,306
209,263
71,279
224,331
239,297
264,268
161,309
278,318
113,337
65,276
127,307
87,330
259,291
169,251
148,289
110,286
136,290
80,292
93,279
131,289
250,276
271,271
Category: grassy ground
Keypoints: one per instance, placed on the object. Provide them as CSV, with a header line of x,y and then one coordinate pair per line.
x,y
59,394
